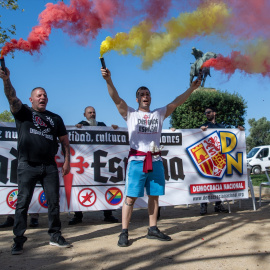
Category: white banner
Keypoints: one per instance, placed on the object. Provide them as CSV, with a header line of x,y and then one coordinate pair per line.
x,y
199,167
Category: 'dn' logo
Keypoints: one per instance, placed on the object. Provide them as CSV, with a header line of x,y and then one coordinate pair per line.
x,y
206,155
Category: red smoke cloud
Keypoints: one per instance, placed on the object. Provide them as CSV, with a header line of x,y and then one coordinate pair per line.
x,y
250,18
249,24
82,19
250,64
229,64
157,10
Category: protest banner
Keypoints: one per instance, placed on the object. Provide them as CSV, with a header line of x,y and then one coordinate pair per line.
x,y
200,166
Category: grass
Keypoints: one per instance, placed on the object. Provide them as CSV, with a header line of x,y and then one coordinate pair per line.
x,y
258,178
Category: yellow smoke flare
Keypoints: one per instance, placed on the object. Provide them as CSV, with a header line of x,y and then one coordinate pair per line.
x,y
151,46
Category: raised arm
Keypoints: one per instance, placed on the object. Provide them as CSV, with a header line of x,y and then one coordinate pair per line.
x,y
119,102
14,103
182,98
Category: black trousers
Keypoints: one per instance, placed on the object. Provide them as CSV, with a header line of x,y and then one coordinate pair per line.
x,y
28,175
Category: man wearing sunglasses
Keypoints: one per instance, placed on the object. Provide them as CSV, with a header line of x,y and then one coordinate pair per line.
x,y
210,113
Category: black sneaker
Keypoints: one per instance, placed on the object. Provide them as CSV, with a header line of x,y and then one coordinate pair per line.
x,y
203,210
8,223
33,222
111,219
75,221
157,234
123,240
220,209
59,241
17,249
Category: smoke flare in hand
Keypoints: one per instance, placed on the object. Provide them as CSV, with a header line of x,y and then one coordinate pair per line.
x,y
246,23
151,46
82,19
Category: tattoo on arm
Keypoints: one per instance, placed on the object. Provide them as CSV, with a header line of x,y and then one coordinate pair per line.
x,y
14,103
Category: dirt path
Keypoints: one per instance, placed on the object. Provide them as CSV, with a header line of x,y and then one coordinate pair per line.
x,y
239,240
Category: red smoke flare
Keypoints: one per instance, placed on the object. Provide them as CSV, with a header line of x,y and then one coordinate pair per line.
x,y
82,19
241,62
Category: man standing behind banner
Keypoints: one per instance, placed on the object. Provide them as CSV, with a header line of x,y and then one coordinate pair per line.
x,y
145,167
90,115
38,130
210,113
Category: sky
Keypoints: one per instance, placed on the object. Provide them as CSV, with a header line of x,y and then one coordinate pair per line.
x,y
70,72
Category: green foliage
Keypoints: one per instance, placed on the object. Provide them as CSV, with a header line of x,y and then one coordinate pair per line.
x,y
6,116
9,4
259,133
257,179
231,109
6,32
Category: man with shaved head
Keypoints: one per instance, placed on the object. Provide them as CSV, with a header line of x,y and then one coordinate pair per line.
x,y
38,132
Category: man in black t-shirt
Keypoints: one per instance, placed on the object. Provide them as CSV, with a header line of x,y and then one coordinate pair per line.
x,y
210,113
38,131
90,115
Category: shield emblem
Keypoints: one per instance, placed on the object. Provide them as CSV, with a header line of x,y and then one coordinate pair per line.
x,y
207,156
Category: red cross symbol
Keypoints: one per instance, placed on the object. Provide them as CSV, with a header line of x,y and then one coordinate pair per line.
x,y
145,118
69,177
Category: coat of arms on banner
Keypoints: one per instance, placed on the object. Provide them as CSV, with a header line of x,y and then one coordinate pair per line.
x,y
207,156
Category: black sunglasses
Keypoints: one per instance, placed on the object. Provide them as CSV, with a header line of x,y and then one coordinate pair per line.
x,y
208,112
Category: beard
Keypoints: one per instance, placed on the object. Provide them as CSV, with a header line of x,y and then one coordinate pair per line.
x,y
210,118
92,122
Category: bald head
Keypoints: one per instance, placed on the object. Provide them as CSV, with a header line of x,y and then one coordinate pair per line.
x,y
38,88
90,113
39,99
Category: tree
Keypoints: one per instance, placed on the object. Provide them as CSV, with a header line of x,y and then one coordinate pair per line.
x,y
5,32
259,133
6,116
231,109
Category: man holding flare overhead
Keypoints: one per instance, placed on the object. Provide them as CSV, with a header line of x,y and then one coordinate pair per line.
x,y
145,167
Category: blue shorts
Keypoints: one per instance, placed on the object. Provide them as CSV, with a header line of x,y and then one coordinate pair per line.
x,y
137,180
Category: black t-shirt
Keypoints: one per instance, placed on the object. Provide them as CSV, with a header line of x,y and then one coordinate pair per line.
x,y
213,125
37,134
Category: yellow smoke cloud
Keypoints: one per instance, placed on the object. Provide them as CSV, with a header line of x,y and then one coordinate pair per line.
x,y
258,53
151,46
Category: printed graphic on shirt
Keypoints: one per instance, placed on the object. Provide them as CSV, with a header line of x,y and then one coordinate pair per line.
x,y
40,125
37,121
146,125
49,119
